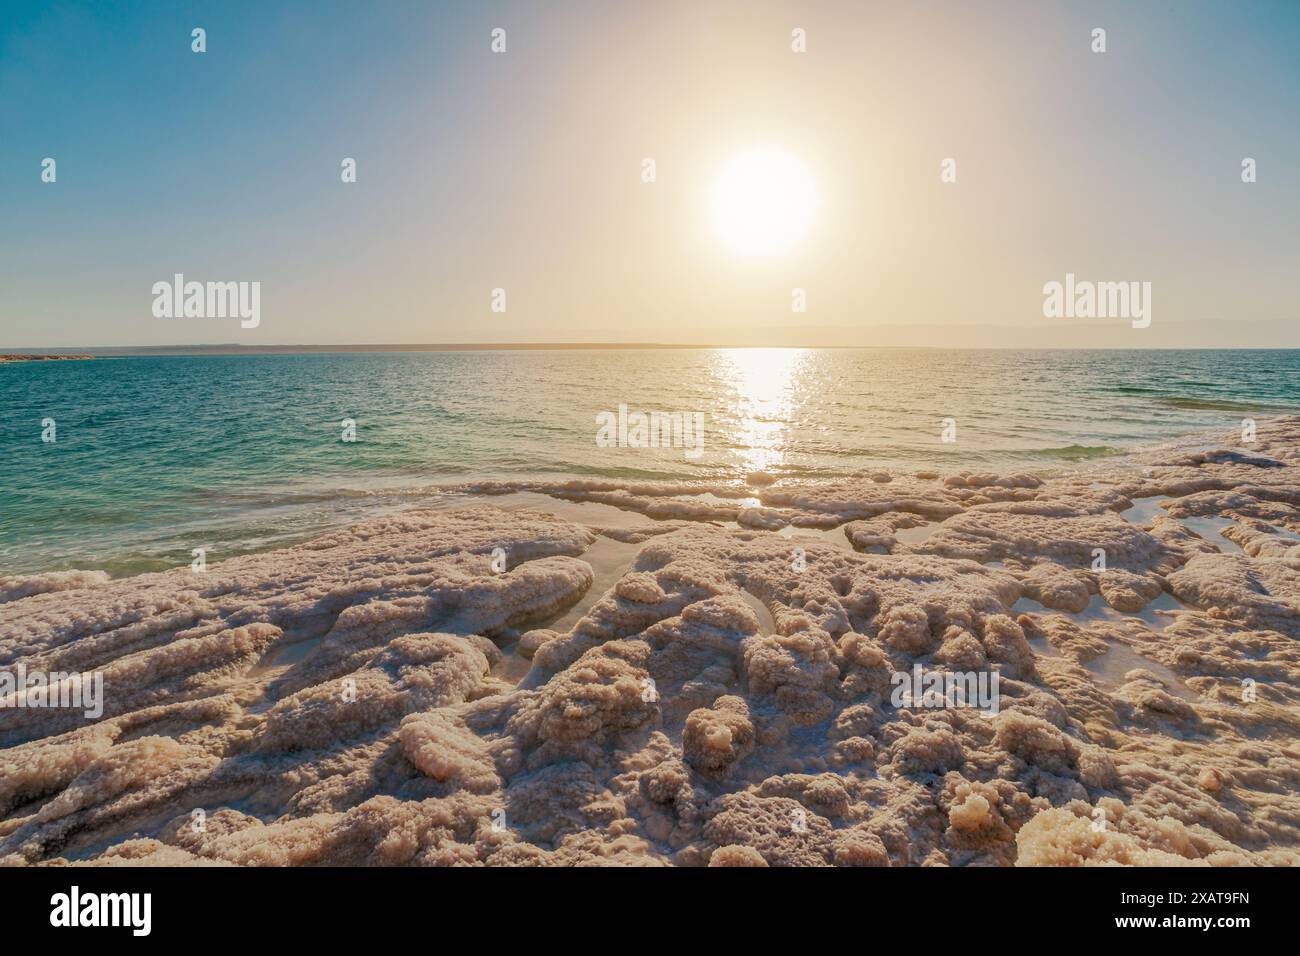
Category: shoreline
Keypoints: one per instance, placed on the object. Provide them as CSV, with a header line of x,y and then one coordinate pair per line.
x,y
721,500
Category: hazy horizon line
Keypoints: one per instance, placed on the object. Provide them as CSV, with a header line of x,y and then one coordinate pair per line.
x,y
108,351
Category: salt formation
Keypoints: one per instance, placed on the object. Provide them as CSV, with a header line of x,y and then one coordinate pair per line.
x,y
726,703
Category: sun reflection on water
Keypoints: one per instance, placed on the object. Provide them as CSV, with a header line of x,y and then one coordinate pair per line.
x,y
761,383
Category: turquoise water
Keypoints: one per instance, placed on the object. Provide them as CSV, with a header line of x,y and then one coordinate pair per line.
x,y
156,455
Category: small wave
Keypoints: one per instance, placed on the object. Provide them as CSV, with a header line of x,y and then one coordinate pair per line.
x,y
1220,404
1133,390
1077,452
275,498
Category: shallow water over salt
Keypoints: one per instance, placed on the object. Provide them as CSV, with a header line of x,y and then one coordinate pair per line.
x,y
918,534
1210,528
1144,510
1110,669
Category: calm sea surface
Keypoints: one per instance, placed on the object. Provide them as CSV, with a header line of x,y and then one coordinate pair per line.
x,y
156,455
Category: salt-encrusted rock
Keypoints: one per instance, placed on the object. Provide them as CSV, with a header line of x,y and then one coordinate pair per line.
x,y
1077,640
736,855
1126,591
997,532
767,519
20,586
727,701
1056,587
1255,592
961,651
718,736
530,641
640,588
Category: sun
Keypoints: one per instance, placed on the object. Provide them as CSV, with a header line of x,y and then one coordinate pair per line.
x,y
763,202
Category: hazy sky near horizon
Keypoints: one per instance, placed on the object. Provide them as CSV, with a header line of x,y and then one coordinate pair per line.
x,y
523,170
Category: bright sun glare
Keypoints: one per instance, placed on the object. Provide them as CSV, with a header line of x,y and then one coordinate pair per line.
x,y
763,202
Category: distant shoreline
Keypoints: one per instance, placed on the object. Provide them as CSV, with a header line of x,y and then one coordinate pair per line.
x,y
19,355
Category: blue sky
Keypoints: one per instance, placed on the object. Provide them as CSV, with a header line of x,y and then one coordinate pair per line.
x,y
520,170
